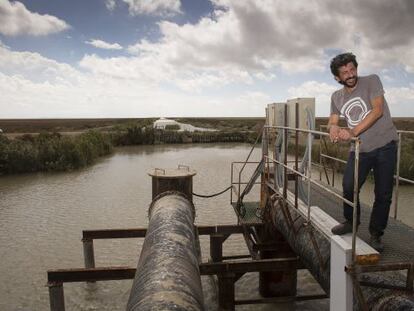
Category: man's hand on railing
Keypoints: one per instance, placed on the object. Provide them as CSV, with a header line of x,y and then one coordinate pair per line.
x,y
345,134
334,133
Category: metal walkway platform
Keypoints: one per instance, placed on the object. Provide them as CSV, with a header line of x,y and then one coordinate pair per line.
x,y
398,238
250,215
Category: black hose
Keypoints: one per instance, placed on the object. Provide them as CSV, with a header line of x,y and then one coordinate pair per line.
x,y
211,195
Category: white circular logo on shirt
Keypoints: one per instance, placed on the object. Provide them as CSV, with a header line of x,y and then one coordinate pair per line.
x,y
354,110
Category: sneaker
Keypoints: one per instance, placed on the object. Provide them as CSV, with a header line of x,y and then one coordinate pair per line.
x,y
376,243
343,228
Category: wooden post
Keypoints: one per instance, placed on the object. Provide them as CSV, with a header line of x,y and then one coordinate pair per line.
x,y
216,247
226,292
56,297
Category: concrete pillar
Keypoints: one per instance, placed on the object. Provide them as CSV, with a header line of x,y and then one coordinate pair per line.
x,y
341,289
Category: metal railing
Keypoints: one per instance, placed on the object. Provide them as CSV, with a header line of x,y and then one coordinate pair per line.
x,y
244,165
308,175
239,181
397,176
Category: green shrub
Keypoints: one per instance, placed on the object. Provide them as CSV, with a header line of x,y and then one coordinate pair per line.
x,y
52,152
19,156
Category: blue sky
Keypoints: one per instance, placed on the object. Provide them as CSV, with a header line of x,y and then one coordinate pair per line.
x,y
201,58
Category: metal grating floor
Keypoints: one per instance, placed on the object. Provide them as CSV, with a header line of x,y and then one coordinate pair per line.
x,y
398,238
250,217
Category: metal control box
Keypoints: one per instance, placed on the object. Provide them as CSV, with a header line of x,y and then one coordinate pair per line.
x,y
275,115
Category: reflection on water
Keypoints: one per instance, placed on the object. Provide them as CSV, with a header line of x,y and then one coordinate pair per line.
x,y
42,217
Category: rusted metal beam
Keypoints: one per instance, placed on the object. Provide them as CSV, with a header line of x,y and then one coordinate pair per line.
x,y
277,264
410,277
379,267
271,246
226,291
280,299
114,233
358,291
60,276
56,297
216,246
221,229
236,257
141,232
95,274
88,253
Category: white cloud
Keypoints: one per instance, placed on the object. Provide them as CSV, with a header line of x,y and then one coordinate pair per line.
x,y
16,19
142,70
32,86
154,7
110,4
265,76
104,45
400,94
241,43
34,67
246,35
400,100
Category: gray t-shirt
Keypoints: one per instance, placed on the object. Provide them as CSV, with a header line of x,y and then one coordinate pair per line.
x,y
356,105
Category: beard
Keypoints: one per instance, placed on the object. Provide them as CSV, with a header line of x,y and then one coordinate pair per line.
x,y
350,82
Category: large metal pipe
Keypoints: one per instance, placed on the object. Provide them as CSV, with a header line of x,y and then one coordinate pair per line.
x,y
314,251
312,247
168,276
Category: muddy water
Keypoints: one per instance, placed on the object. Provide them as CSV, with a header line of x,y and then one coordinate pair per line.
x,y
42,217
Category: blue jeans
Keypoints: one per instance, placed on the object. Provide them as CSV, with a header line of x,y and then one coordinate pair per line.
x,y
382,161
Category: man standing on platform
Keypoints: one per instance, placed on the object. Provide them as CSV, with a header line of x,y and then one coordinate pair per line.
x,y
361,101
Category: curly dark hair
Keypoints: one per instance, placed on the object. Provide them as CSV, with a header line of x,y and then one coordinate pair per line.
x,y
342,60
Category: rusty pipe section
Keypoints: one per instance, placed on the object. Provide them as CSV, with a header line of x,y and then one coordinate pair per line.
x,y
168,276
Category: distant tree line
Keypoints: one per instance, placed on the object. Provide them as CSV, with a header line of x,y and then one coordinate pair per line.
x,y
56,152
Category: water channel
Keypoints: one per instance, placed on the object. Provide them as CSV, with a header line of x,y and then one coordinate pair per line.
x,y
42,217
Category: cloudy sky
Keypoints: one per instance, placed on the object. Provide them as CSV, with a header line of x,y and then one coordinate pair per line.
x,y
140,58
